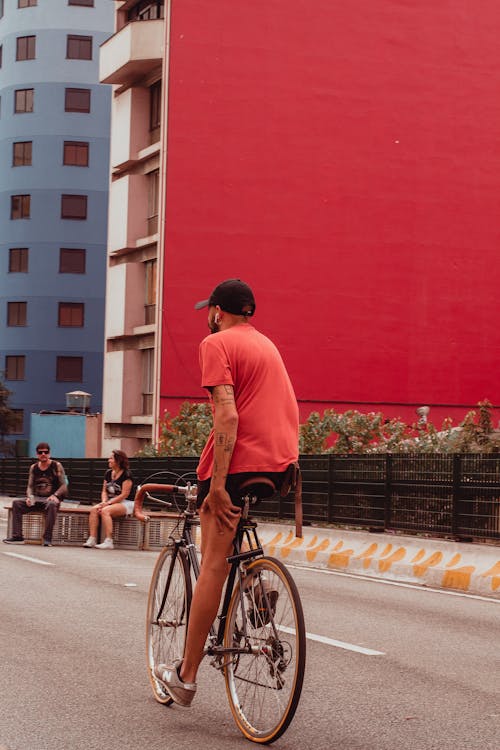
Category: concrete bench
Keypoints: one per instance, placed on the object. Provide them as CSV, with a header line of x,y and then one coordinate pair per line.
x,y
72,528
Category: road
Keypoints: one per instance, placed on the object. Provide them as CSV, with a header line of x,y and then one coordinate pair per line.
x,y
388,666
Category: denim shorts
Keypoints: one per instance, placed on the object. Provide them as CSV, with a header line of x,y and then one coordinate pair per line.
x,y
129,505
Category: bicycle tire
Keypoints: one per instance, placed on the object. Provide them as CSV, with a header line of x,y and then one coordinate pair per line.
x,y
264,687
169,604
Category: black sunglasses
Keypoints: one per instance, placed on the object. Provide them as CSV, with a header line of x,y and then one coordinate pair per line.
x,y
43,451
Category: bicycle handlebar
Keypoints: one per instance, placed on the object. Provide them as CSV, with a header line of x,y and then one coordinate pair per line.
x,y
189,490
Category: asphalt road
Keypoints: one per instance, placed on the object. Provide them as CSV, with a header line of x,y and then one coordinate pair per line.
x,y
73,674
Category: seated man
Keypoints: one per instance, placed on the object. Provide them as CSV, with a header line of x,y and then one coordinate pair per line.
x,y
46,488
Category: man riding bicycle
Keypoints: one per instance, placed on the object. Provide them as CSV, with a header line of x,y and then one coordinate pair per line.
x,y
255,432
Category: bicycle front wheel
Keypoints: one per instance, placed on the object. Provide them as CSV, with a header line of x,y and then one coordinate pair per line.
x,y
264,674
169,602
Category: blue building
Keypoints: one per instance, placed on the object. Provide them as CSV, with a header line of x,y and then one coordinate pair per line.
x,y
54,175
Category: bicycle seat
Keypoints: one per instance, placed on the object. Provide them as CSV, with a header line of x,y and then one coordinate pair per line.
x,y
259,487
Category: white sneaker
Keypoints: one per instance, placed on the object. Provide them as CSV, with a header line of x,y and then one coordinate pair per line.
x,y
106,544
91,542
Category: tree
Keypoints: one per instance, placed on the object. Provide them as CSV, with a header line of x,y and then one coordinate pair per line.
x,y
185,434
7,420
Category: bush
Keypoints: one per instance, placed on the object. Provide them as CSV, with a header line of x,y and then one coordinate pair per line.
x,y
354,432
347,432
351,432
185,434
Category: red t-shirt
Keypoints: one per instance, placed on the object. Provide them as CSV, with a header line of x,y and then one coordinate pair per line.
x,y
268,426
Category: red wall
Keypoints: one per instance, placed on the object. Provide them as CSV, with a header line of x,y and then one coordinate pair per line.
x,y
344,159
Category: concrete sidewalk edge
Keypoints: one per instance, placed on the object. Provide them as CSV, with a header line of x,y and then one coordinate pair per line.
x,y
473,568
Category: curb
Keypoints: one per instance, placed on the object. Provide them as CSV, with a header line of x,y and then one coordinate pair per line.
x,y
472,568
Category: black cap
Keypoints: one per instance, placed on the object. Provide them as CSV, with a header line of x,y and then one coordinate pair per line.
x,y
232,296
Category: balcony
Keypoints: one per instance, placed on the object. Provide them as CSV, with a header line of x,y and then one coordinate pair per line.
x,y
132,53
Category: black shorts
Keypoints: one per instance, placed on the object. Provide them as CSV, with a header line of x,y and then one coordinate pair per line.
x,y
234,482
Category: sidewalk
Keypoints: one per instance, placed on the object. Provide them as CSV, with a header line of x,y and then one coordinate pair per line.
x,y
474,568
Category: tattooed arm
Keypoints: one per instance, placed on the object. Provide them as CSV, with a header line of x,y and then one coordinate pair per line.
x,y
225,432
30,490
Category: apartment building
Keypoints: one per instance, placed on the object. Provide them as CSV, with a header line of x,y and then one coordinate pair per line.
x,y
54,174
132,60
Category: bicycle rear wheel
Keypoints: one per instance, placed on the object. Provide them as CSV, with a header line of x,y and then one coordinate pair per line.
x,y
264,683
169,602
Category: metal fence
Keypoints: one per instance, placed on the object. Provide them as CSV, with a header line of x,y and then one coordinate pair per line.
x,y
451,495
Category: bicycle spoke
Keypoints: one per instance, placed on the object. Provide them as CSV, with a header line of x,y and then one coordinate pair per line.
x,y
168,612
264,686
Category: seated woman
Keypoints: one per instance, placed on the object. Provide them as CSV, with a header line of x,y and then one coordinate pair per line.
x,y
117,499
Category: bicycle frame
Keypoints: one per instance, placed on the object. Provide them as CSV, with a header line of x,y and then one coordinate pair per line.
x,y
246,532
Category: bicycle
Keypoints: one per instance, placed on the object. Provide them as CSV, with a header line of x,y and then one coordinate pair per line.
x,y
257,641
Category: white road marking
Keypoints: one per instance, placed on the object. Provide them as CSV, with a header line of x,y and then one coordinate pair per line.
x,y
337,644
415,586
29,559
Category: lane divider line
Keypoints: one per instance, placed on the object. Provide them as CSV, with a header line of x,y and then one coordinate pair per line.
x,y
336,644
29,559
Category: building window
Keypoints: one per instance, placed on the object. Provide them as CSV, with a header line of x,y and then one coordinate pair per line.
x,y
27,3
25,48
147,380
153,200
20,206
69,369
71,314
71,260
17,428
17,313
79,47
73,206
21,154
150,301
154,112
23,100
14,367
18,260
147,10
86,3
76,153
1,8
1,53
77,100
